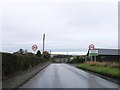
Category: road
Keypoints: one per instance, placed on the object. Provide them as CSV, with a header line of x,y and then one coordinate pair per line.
x,y
66,76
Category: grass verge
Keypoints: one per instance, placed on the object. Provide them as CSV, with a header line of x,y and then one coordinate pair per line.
x,y
102,69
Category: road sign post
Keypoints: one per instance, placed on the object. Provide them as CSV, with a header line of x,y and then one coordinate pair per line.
x,y
95,59
92,52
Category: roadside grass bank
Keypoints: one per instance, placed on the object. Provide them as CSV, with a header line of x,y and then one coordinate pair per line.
x,y
108,69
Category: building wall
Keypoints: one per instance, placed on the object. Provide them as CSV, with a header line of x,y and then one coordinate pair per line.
x,y
112,58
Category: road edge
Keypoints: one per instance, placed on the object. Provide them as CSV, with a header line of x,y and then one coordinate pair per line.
x,y
22,82
27,79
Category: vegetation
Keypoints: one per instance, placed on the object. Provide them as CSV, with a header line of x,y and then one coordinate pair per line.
x,y
38,53
104,68
19,62
46,54
78,59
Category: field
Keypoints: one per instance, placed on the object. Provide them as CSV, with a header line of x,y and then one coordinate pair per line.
x,y
104,68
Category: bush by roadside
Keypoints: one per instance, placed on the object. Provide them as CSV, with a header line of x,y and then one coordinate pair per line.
x,y
78,59
16,63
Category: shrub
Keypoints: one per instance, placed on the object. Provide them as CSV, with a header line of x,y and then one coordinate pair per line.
x,y
12,63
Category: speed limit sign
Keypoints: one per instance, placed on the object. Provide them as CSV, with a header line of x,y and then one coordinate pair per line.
x,y
34,47
91,47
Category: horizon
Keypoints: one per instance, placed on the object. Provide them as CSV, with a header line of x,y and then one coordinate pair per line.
x,y
61,52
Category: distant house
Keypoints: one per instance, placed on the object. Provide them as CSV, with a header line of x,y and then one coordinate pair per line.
x,y
107,55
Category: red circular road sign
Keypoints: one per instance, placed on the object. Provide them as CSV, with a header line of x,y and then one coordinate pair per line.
x,y
91,47
34,47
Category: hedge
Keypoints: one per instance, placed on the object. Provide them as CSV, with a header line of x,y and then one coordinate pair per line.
x,y
12,63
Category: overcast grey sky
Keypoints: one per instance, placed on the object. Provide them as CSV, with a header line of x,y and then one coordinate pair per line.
x,y
69,25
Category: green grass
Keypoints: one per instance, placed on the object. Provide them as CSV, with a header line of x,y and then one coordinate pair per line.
x,y
104,70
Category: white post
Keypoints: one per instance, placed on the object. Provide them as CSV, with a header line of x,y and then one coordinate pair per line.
x,y
91,59
95,58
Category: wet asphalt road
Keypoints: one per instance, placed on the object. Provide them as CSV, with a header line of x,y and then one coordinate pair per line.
x,y
65,76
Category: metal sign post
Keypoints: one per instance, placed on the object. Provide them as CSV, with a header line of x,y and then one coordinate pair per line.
x,y
92,52
95,58
91,58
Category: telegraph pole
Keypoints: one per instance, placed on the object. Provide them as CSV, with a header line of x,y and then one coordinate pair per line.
x,y
50,54
43,42
67,57
43,45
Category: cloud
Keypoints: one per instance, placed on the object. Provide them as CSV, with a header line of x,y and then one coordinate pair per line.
x,y
66,25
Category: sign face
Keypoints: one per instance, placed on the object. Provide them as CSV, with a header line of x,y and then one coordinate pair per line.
x,y
34,47
91,47
93,52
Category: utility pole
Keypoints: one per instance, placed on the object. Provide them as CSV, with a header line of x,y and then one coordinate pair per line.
x,y
67,57
43,45
43,42
50,54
